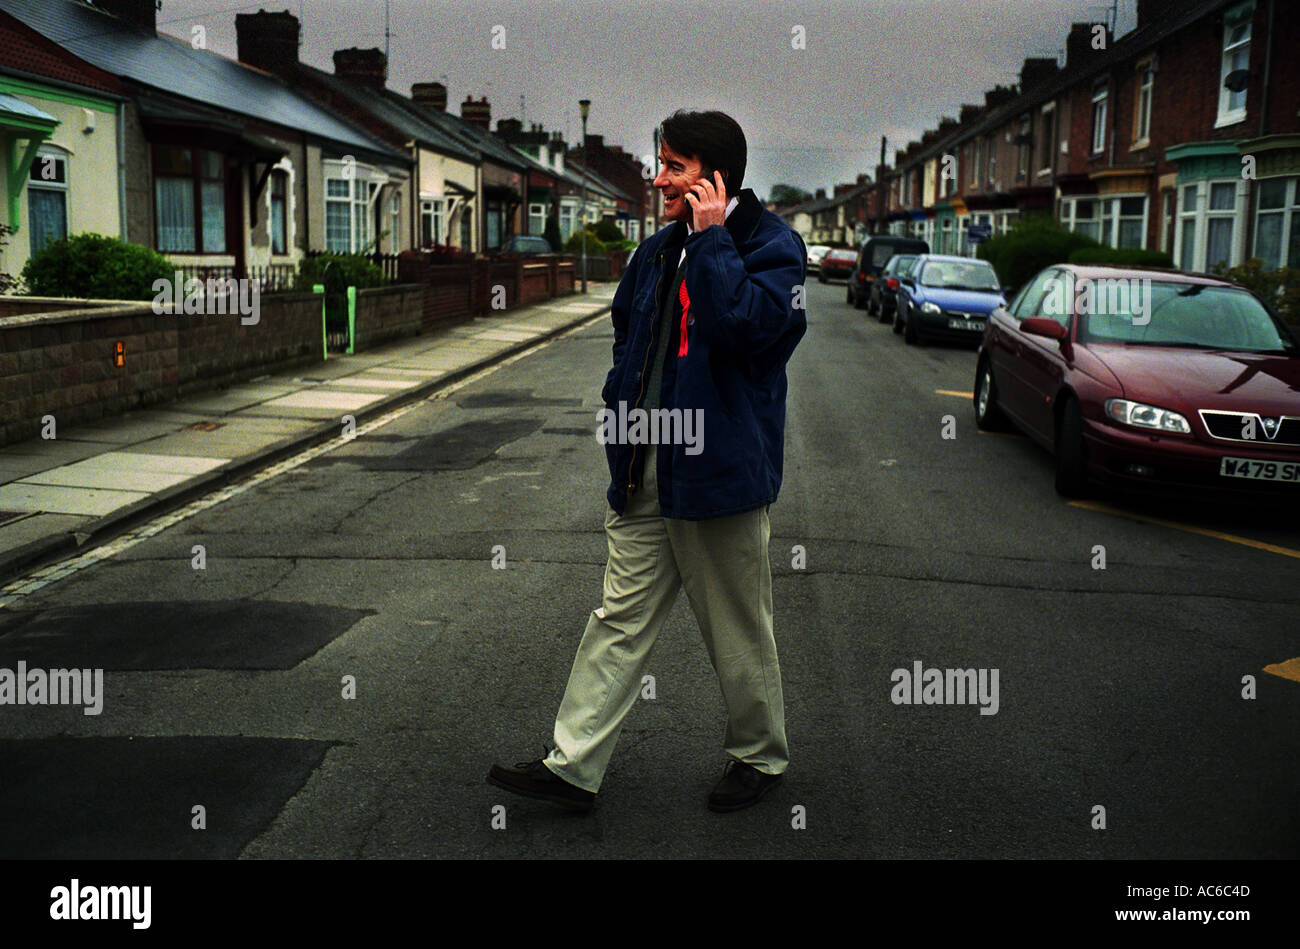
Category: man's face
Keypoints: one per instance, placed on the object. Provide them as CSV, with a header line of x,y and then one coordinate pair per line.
x,y
677,174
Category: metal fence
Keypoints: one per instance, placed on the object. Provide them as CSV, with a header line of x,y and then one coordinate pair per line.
x,y
278,278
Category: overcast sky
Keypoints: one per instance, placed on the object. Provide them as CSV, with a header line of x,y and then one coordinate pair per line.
x,y
812,117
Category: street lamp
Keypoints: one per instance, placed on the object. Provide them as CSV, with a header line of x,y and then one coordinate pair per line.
x,y
584,105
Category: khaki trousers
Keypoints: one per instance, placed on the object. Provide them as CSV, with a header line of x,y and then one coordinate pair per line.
x,y
723,565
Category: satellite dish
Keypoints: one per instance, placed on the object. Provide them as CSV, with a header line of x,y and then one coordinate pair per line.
x,y
1237,80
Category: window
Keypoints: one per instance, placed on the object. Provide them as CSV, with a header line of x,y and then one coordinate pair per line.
x,y
432,222
347,212
495,232
395,221
1027,303
1023,143
279,223
1047,125
977,173
1236,57
1082,216
1277,222
992,161
1207,224
1099,96
1142,114
536,218
1116,221
190,199
968,156
47,199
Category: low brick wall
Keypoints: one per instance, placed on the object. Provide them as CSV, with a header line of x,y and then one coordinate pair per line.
x,y
457,291
61,362
388,313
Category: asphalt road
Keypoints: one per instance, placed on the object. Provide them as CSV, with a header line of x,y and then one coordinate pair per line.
x,y
1118,688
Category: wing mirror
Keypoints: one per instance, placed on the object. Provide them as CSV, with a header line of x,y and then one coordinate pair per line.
x,y
1040,326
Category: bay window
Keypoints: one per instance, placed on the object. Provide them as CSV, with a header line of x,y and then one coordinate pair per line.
x,y
1277,222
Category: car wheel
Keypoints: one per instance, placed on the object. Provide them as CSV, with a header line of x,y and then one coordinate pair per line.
x,y
898,321
848,296
881,314
1071,465
911,335
987,414
821,278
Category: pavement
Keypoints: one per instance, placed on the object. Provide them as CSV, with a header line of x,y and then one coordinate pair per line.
x,y
97,479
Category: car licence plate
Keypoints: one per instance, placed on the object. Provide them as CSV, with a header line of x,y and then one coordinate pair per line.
x,y
1259,470
959,324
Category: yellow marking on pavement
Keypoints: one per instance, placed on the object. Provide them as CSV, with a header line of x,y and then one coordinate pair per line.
x,y
1287,670
960,395
1203,531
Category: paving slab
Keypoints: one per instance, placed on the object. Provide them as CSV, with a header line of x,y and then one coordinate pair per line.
x,y
53,499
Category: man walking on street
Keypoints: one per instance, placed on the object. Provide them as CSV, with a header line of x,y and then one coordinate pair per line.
x,y
705,319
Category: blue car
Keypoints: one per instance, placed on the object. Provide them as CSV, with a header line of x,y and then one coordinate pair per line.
x,y
947,298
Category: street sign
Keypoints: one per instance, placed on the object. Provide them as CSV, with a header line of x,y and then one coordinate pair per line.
x,y
978,233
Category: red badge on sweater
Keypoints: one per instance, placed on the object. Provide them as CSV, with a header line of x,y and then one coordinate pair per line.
x,y
686,308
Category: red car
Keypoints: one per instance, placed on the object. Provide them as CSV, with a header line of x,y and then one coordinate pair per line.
x,y
838,262
1140,377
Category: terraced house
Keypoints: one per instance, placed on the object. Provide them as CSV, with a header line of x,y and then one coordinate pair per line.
x,y
61,132
1180,136
224,168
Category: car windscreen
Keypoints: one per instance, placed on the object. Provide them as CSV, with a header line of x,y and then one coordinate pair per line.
x,y
903,264
1180,315
959,275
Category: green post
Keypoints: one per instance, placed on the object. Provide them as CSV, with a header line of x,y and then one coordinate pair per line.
x,y
324,328
352,318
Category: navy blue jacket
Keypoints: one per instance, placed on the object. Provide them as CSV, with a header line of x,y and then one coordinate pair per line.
x,y
745,320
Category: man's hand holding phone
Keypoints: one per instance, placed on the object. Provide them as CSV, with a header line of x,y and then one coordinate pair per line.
x,y
708,199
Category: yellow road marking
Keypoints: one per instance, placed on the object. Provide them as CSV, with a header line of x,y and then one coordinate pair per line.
x,y
1287,670
1203,531
960,395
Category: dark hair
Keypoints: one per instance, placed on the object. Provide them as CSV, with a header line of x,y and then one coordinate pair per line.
x,y
714,138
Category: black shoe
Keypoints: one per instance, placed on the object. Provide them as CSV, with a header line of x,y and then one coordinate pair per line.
x,y
741,786
534,779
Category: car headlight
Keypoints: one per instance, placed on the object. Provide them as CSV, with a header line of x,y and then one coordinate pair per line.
x,y
930,308
1140,415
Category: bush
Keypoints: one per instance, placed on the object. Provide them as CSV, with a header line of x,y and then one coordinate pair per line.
x,y
1122,257
608,231
1279,288
1032,244
621,245
92,266
574,244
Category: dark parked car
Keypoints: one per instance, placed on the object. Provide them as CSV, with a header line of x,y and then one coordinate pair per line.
x,y
526,245
837,263
947,297
884,290
1146,378
871,259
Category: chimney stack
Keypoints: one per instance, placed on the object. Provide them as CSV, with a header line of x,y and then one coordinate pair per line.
x,y
998,95
1152,11
433,94
268,41
142,13
1035,72
365,67
1078,45
477,113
